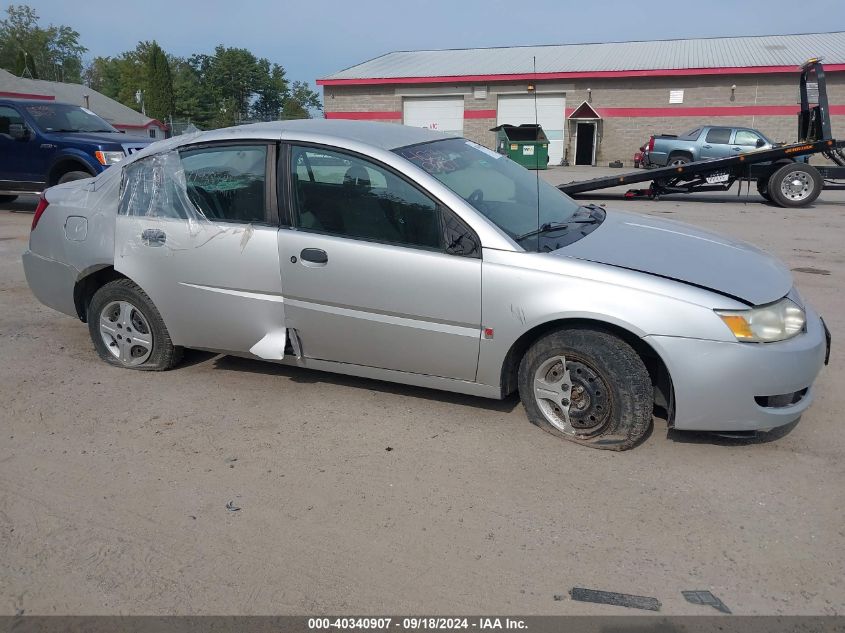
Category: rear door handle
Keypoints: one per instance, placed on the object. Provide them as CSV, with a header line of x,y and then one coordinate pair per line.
x,y
707,146
153,237
314,255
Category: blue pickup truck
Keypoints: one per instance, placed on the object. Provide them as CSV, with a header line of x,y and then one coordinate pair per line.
x,y
43,143
703,143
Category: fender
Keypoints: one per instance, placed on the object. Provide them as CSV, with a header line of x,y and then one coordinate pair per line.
x,y
76,156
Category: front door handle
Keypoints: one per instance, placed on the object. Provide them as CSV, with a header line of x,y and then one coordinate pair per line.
x,y
314,255
153,237
737,149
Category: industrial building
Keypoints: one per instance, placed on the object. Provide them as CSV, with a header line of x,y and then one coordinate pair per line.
x,y
596,102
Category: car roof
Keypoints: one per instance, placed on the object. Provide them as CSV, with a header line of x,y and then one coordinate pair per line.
x,y
387,136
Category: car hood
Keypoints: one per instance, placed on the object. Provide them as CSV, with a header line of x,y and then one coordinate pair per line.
x,y
684,253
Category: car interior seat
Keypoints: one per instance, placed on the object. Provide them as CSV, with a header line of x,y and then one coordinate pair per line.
x,y
364,216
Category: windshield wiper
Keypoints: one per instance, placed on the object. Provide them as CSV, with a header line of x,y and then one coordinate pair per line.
x,y
62,129
554,226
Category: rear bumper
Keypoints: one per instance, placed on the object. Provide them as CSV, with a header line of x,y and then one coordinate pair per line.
x,y
722,386
51,282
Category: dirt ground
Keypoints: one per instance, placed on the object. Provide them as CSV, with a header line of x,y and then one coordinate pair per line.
x,y
358,496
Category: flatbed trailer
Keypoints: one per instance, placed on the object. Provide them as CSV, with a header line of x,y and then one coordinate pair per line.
x,y
782,173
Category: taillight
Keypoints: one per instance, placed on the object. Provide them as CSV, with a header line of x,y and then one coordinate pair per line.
x,y
39,211
651,144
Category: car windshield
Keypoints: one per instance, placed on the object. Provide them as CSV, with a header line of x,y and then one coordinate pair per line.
x,y
496,186
59,117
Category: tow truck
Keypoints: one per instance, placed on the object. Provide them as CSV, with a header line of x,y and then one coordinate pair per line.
x,y
783,175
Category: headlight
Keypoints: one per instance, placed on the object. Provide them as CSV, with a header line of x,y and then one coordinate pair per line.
x,y
108,158
774,322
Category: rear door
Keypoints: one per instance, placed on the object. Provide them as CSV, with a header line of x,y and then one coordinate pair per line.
x,y
716,143
197,231
368,279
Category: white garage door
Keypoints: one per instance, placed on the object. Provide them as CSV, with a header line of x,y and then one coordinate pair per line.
x,y
551,115
444,114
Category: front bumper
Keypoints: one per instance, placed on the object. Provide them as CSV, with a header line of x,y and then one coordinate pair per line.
x,y
51,282
719,386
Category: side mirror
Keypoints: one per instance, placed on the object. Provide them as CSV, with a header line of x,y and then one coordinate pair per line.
x,y
18,131
760,142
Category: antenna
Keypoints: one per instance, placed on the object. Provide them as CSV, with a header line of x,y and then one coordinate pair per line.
x,y
536,153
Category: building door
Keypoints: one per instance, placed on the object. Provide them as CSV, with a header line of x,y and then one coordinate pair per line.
x,y
585,144
550,114
444,114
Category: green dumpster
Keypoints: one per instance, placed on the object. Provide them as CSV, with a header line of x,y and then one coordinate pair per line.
x,y
526,144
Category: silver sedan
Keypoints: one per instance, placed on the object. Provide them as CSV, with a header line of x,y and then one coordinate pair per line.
x,y
402,254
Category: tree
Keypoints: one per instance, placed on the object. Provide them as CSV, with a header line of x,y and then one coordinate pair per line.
x,y
158,96
27,49
300,101
271,93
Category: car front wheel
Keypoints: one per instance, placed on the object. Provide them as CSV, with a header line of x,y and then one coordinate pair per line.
x,y
127,329
587,386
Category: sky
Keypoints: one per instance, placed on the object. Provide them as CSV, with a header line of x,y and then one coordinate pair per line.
x,y
314,38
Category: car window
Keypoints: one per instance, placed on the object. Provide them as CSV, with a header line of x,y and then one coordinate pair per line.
x,y
746,137
8,117
62,117
719,135
227,183
340,194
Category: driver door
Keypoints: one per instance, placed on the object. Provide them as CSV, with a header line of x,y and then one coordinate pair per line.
x,y
368,277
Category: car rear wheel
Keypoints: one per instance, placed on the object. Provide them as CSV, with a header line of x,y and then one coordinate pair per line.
x,y
795,185
127,329
588,387
73,175
676,160
7,199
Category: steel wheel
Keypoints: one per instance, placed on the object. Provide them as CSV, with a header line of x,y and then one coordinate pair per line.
x,y
126,333
797,186
572,396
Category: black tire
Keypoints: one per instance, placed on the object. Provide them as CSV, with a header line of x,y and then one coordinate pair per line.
x,y
799,196
7,199
676,160
595,360
763,188
163,355
73,175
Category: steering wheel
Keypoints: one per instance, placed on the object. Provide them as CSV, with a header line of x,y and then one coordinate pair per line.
x,y
476,197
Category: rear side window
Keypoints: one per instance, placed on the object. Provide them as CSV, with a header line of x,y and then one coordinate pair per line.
x,y
719,135
218,184
227,183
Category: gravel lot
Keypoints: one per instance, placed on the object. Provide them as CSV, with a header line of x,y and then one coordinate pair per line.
x,y
359,496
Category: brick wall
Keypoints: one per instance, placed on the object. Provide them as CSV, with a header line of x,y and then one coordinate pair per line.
x,y
619,136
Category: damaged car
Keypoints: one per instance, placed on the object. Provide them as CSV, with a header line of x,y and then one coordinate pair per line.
x,y
408,255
